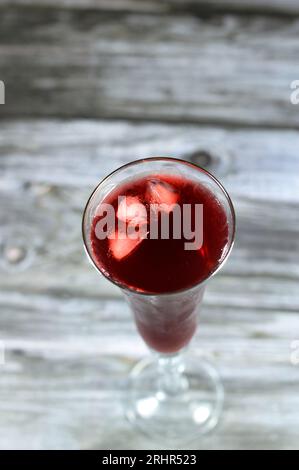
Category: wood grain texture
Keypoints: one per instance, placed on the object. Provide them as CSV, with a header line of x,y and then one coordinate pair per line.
x,y
71,398
64,375
49,168
161,6
231,69
91,85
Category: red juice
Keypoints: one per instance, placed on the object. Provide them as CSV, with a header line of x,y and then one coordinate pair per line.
x,y
162,266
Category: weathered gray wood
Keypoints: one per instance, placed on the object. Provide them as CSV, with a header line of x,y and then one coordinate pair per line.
x,y
69,338
49,168
217,68
64,374
75,393
162,6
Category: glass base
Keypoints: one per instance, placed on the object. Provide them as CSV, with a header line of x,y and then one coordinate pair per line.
x,y
175,407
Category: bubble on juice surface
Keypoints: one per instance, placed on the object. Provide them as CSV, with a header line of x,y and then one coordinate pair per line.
x,y
161,192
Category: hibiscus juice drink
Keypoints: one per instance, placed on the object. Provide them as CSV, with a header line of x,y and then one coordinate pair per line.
x,y
158,266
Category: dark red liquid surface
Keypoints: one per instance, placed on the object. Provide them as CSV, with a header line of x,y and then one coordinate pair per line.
x,y
166,322
165,265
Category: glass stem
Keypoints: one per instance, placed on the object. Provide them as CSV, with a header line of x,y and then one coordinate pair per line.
x,y
171,374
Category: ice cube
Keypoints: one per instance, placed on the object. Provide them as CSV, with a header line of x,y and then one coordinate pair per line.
x,y
161,192
121,246
131,209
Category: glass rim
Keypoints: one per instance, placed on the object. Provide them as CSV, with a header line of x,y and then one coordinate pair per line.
x,y
185,289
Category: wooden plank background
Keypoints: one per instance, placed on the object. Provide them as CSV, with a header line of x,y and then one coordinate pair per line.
x,y
217,68
90,86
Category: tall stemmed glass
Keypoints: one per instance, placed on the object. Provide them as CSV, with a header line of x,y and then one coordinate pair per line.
x,y
174,395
